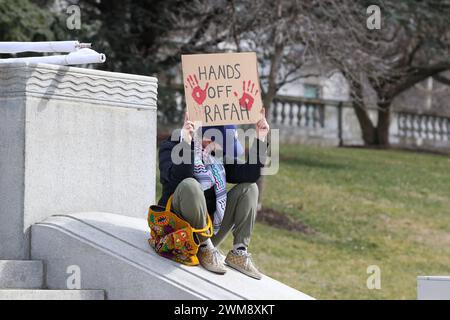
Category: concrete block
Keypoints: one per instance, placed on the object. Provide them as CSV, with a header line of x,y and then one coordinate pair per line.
x,y
52,294
19,274
433,288
72,140
112,253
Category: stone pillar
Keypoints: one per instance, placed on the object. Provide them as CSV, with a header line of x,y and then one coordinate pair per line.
x,y
393,129
72,140
331,125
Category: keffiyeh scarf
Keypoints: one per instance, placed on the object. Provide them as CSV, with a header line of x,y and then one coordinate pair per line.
x,y
209,172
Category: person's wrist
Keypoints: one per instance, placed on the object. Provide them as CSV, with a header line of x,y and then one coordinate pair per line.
x,y
261,136
186,137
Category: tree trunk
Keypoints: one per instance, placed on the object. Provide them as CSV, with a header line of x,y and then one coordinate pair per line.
x,y
384,121
368,129
267,101
372,135
369,134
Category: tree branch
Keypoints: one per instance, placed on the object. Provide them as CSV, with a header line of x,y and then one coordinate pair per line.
x,y
442,79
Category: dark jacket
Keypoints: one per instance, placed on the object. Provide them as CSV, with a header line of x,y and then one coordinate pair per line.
x,y
172,174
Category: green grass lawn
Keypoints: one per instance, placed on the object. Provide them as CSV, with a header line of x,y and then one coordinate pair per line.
x,y
368,207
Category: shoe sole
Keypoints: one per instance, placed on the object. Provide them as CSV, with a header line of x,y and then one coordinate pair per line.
x,y
243,271
214,271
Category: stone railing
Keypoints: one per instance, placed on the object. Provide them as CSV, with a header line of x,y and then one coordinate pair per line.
x,y
423,126
327,122
295,112
330,122
302,120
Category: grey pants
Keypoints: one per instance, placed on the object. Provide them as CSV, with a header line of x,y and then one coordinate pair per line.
x,y
189,203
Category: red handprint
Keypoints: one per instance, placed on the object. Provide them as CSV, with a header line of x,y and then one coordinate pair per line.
x,y
198,93
247,99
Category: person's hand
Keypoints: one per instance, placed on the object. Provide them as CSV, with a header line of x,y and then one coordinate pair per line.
x,y
262,127
187,132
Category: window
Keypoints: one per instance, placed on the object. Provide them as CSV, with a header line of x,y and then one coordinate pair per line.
x,y
311,91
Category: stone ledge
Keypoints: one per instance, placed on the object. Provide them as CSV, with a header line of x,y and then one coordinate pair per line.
x,y
113,254
78,84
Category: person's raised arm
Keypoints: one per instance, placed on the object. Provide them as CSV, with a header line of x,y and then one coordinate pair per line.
x,y
187,132
250,171
177,172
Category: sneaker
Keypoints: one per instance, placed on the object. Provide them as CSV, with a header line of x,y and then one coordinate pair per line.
x,y
242,261
221,255
211,260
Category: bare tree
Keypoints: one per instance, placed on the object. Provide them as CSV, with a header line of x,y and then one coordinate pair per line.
x,y
288,35
412,45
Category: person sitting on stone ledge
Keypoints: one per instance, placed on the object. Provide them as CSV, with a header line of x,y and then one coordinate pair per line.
x,y
199,188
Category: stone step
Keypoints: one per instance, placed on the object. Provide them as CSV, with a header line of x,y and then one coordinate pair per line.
x,y
16,294
21,274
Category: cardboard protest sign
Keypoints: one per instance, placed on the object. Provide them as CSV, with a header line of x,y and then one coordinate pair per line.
x,y
222,88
